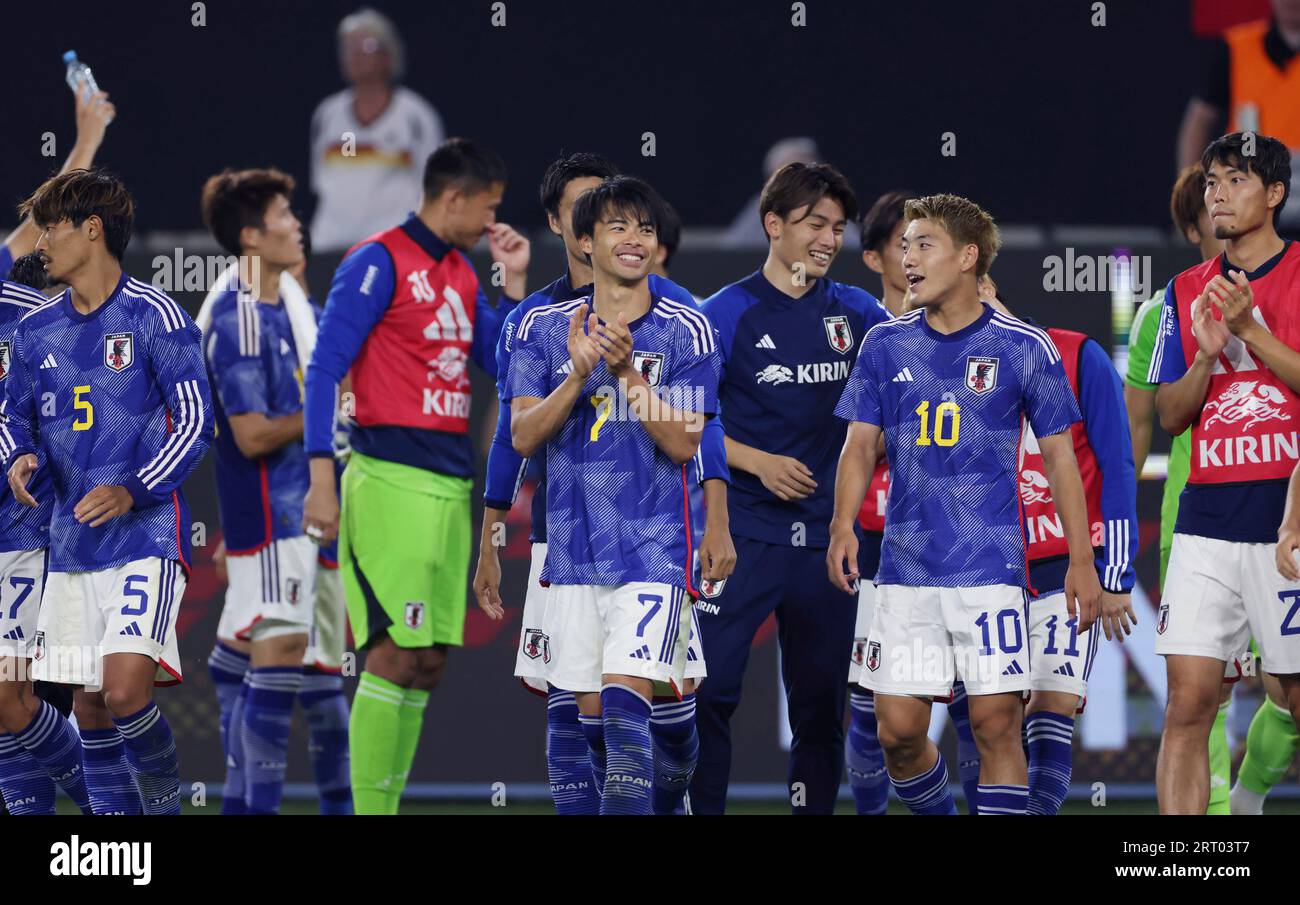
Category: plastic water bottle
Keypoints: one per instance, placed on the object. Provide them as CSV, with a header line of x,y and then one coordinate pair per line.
x,y
79,77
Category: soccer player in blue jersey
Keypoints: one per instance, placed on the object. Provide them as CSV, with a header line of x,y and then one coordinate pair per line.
x,y
27,785
573,744
108,393
617,387
788,335
253,334
950,385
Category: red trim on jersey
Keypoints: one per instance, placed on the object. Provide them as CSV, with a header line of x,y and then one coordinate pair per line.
x,y
266,515
241,634
325,562
530,689
686,512
180,548
175,676
332,670
1020,504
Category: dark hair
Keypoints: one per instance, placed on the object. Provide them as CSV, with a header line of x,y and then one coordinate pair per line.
x,y
78,195
563,171
233,199
460,162
626,195
29,270
879,222
1187,200
797,185
670,232
1271,161
306,236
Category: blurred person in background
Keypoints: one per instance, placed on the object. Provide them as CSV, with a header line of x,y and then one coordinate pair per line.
x,y
370,140
1253,81
747,231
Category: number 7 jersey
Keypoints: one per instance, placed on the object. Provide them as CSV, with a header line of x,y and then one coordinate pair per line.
x,y
115,397
952,407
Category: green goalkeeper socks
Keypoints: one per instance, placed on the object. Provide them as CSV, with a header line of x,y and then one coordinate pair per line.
x,y
1271,745
408,739
375,733
1220,763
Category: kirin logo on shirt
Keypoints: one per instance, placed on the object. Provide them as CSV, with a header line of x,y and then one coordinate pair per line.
x,y
650,365
981,373
775,374
838,333
1247,403
119,351
4,359
1034,487
450,366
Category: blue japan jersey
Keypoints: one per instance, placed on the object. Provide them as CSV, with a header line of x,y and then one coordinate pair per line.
x,y
785,364
617,508
115,397
952,408
21,527
253,366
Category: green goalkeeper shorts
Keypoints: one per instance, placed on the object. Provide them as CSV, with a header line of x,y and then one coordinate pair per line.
x,y
404,547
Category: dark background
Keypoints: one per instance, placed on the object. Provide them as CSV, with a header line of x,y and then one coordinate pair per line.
x,y
1055,120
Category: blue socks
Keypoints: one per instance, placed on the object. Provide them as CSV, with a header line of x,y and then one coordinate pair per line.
x,y
108,778
593,730
1049,736
55,745
1003,800
968,755
151,755
227,668
863,756
321,696
264,732
927,794
232,796
569,758
26,787
629,777
676,749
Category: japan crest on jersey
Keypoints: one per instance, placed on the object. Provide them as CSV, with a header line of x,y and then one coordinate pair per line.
x,y
981,373
711,587
4,359
838,333
650,365
873,656
119,350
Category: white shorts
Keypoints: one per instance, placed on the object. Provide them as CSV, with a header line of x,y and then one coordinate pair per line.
x,y
86,616
696,668
923,639
866,609
640,629
1218,594
328,640
534,647
1060,657
271,592
22,579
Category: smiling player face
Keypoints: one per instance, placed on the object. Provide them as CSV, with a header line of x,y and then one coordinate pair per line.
x,y
1237,201
623,247
933,265
813,240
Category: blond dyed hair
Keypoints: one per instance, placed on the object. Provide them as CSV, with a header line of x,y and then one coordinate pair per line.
x,y
964,220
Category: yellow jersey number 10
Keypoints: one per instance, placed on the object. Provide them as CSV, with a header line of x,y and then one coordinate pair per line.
x,y
942,424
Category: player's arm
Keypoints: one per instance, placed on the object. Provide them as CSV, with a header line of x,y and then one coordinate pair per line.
x,y
717,550
1235,299
1183,387
240,382
505,472
1082,589
93,116
852,476
257,435
1288,534
512,251
18,423
359,295
172,346
1100,400
1141,406
1139,393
